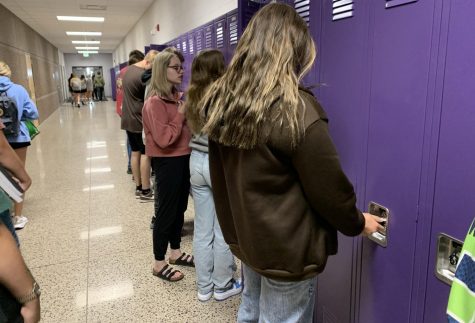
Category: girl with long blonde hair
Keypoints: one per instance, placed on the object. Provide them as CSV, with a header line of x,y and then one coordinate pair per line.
x,y
279,190
167,140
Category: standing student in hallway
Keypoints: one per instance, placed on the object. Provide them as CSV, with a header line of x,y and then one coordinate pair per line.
x,y
26,111
167,138
135,56
131,122
279,189
214,262
99,84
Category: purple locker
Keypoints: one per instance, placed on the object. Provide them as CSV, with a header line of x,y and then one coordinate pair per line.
x,y
183,40
219,34
113,82
398,133
158,47
454,202
199,39
209,36
344,94
231,34
147,48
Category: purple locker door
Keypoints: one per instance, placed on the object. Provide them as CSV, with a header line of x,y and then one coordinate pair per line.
x,y
219,31
183,39
454,202
343,59
231,34
209,36
401,55
113,82
199,40
311,12
189,60
247,9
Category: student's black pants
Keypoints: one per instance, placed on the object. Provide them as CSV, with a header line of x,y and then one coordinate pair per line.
x,y
172,178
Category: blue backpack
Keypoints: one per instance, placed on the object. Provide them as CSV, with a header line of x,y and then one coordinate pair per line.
x,y
9,115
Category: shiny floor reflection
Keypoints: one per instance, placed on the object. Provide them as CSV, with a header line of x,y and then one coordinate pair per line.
x,y
88,240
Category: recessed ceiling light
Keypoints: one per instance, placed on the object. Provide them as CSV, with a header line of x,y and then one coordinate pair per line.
x,y
87,48
83,33
86,42
88,52
86,19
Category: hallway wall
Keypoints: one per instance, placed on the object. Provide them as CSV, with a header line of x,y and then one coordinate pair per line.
x,y
33,60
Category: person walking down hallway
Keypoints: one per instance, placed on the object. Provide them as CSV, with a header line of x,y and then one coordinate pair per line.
x,y
279,189
19,142
131,122
214,262
99,87
167,142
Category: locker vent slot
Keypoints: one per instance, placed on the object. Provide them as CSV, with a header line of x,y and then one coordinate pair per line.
x,y
190,45
208,37
220,37
233,31
396,3
199,41
178,46
303,9
342,9
184,49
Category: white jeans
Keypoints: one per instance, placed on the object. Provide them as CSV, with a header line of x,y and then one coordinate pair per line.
x,y
214,262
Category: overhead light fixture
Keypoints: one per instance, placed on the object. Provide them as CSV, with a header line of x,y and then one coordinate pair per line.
x,y
87,48
88,52
86,42
85,19
83,33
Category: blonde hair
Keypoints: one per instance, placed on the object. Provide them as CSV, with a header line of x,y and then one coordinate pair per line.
x,y
151,55
206,68
260,87
159,84
5,70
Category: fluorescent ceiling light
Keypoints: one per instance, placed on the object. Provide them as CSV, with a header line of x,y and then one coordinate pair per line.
x,y
88,48
88,52
83,33
86,42
86,19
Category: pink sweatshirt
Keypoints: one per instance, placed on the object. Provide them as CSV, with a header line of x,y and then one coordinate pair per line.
x,y
166,132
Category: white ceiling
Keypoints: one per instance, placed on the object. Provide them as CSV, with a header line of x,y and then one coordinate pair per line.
x,y
120,16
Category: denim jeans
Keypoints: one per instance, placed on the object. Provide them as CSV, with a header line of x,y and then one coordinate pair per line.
x,y
214,262
267,300
7,221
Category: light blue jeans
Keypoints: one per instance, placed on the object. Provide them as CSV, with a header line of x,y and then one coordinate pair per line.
x,y
214,262
267,300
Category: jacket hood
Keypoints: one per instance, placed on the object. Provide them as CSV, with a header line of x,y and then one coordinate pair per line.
x,y
5,83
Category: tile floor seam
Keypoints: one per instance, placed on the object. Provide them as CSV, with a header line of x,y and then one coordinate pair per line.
x,y
58,263
89,229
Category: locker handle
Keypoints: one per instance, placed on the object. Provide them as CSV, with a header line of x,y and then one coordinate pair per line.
x,y
380,237
448,252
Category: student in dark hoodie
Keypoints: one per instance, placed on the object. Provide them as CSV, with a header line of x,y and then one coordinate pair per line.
x,y
278,186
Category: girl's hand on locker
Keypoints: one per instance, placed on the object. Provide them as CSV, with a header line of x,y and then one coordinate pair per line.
x,y
372,224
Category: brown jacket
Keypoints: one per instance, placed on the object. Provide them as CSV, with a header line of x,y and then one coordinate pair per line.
x,y
279,208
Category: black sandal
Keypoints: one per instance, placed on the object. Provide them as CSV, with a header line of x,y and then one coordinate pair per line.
x,y
167,273
183,260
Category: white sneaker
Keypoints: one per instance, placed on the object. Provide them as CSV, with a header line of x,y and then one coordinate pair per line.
x,y
204,297
234,290
20,222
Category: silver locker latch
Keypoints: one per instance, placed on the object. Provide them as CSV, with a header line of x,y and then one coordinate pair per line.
x,y
448,254
380,237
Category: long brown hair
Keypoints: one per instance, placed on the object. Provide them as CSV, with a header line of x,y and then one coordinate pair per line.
x,y
260,87
206,68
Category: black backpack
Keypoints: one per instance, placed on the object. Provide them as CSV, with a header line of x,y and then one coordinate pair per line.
x,y
9,115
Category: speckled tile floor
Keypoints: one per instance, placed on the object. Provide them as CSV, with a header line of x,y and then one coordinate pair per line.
x,y
88,240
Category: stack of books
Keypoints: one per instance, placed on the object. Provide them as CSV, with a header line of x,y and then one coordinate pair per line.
x,y
10,185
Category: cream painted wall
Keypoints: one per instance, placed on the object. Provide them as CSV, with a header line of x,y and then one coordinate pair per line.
x,y
175,18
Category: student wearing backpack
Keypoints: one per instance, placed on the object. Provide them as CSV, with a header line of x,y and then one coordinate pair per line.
x,y
26,111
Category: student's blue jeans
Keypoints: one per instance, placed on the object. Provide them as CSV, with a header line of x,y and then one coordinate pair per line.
x,y
214,262
267,300
7,220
